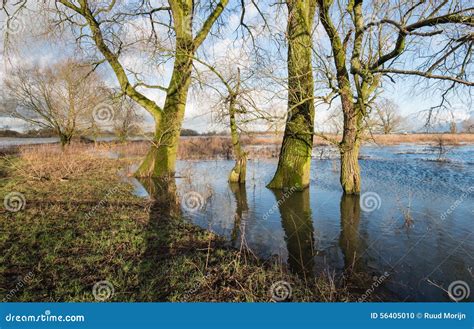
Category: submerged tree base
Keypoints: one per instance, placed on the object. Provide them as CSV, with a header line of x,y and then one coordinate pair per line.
x,y
350,171
293,171
284,181
239,172
158,163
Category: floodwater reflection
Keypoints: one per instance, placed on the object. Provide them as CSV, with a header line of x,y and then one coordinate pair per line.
x,y
296,219
241,211
164,192
350,240
319,230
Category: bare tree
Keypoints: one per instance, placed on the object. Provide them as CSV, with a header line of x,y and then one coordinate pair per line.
x,y
60,97
453,128
127,120
440,148
468,125
333,122
236,106
173,29
387,118
363,52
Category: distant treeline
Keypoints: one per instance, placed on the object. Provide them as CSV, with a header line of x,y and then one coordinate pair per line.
x,y
29,133
50,133
184,132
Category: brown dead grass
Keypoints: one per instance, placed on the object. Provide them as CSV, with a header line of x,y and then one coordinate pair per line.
x,y
36,164
50,162
205,147
452,139
198,148
393,139
220,147
268,146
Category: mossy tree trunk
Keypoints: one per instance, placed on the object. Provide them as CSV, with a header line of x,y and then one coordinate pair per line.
x,y
354,127
239,172
352,110
295,155
349,149
161,159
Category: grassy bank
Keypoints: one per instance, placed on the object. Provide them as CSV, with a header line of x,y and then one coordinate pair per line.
x,y
81,224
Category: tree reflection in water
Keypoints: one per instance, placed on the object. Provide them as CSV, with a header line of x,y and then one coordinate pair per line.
x,y
164,194
297,223
241,210
349,240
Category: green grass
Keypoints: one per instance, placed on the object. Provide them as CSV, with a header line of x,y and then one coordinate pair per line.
x,y
90,227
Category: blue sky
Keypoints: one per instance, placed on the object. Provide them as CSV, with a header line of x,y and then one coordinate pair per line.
x,y
30,48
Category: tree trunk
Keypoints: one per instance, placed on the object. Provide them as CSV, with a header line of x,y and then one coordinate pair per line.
x,y
238,173
161,158
350,171
349,150
64,139
295,155
163,192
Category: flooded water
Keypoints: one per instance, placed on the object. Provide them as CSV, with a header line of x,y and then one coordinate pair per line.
x,y
6,142
413,219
